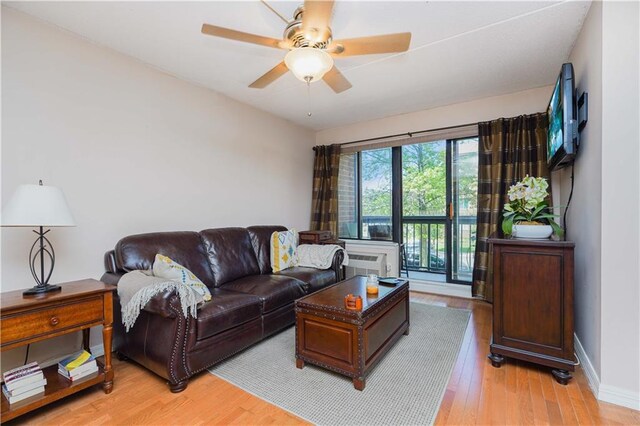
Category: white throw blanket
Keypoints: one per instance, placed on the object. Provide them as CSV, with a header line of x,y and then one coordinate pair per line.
x,y
319,256
136,288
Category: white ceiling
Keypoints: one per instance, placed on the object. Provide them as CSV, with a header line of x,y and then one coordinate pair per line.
x,y
459,50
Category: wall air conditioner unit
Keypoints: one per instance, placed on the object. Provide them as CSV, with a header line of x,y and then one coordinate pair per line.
x,y
374,248
367,263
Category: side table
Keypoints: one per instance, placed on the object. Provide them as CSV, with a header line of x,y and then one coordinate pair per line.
x,y
533,304
319,237
80,305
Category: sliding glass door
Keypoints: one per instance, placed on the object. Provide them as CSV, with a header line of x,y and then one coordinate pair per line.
x,y
439,190
463,196
424,202
421,195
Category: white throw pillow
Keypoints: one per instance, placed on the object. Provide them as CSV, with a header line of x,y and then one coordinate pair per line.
x,y
166,268
283,250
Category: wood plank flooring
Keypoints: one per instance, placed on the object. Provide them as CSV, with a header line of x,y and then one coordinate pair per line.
x,y
518,393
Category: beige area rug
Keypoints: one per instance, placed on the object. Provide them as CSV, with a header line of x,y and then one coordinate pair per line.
x,y
405,388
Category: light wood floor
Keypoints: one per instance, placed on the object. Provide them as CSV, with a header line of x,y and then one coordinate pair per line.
x,y
517,393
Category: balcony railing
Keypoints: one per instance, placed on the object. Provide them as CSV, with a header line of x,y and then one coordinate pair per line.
x,y
425,243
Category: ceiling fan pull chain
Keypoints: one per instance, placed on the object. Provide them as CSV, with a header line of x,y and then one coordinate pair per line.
x,y
308,79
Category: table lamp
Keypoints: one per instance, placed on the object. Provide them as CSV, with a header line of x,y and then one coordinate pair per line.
x,y
38,206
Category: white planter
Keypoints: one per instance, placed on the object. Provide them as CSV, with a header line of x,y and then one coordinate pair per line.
x,y
532,232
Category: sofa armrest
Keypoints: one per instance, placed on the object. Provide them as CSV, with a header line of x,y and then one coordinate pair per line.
x,y
160,304
111,277
336,265
110,261
113,274
164,304
158,339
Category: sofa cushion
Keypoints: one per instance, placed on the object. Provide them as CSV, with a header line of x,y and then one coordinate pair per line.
x,y
274,290
283,250
261,240
227,309
139,251
230,254
315,279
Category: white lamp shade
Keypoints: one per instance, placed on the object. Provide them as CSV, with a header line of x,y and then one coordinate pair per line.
x,y
308,63
37,205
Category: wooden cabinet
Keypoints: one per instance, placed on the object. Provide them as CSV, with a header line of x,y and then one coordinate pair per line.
x,y
80,305
533,303
314,237
319,237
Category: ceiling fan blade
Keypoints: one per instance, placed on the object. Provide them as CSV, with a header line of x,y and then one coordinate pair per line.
x,y
388,43
316,19
240,36
336,80
270,76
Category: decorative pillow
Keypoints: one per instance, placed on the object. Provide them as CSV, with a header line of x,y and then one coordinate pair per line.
x,y
283,250
166,268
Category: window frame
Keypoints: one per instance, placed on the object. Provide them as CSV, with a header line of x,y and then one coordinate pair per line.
x,y
397,197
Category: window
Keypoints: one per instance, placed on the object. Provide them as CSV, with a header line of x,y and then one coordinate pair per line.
x,y
424,179
426,190
376,194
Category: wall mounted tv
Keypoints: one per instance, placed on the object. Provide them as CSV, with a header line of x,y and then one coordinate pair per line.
x,y
562,136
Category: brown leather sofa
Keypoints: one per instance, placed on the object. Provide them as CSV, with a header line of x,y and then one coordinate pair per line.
x,y
249,302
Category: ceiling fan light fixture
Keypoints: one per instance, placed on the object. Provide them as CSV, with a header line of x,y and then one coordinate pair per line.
x,y
308,64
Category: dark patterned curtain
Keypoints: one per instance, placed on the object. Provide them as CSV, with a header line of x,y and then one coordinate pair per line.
x,y
509,149
324,202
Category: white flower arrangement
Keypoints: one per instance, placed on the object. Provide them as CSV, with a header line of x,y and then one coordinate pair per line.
x,y
527,204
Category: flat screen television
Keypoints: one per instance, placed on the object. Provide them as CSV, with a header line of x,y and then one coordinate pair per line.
x,y
562,136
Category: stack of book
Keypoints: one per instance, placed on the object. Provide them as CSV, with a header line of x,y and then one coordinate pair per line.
x,y
77,366
23,382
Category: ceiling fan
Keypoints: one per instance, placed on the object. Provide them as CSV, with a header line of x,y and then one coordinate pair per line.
x,y
311,46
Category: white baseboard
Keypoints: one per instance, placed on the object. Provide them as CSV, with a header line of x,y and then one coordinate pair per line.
x,y
604,392
587,366
619,396
445,289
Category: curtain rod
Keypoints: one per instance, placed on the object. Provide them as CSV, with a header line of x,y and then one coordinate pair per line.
x,y
410,134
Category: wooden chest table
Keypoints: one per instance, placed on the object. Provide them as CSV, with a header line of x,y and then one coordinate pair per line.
x,y
28,319
350,342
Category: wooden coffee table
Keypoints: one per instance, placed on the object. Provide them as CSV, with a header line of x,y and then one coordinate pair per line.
x,y
350,342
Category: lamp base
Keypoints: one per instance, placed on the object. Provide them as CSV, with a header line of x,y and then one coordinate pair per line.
x,y
41,289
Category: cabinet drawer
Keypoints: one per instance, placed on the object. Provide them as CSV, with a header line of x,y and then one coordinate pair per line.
x,y
50,320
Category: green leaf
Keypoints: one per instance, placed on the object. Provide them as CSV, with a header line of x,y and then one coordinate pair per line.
x,y
548,216
556,228
538,209
507,225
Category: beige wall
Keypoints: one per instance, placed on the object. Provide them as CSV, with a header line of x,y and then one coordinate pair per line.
x,y
514,104
620,201
584,217
134,150
604,212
